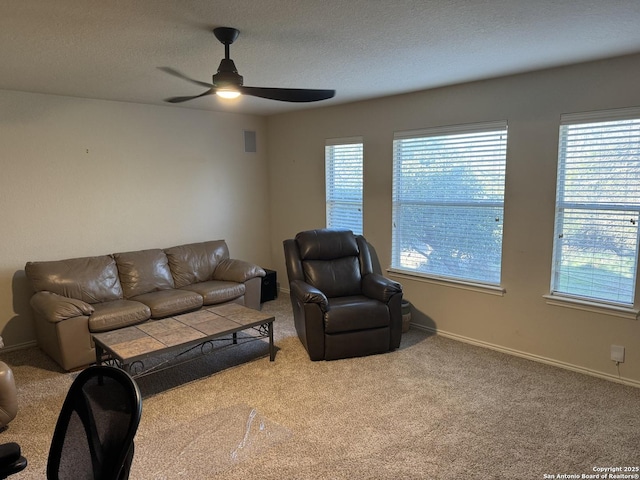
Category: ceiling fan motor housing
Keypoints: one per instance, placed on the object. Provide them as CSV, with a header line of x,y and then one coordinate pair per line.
x,y
227,75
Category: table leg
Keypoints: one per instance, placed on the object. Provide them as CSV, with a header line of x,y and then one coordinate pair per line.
x,y
235,338
272,348
99,354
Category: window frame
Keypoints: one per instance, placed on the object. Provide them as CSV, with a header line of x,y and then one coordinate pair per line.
x,y
475,284
567,298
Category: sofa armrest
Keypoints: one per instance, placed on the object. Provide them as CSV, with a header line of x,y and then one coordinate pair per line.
x,y
380,288
232,270
55,308
308,294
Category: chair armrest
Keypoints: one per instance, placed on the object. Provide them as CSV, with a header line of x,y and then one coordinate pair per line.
x,y
380,288
308,294
232,270
55,308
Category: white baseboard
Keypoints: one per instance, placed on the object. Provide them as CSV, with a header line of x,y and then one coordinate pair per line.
x,y
530,356
19,346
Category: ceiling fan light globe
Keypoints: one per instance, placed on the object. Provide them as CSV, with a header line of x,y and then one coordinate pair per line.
x,y
229,94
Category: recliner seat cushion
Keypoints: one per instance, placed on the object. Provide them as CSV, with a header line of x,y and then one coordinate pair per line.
x,y
348,314
117,314
90,279
165,303
143,271
217,291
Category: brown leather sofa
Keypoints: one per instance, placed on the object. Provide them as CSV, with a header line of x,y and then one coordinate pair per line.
x,y
76,297
341,308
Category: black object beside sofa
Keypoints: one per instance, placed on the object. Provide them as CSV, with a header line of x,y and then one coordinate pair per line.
x,y
341,307
79,296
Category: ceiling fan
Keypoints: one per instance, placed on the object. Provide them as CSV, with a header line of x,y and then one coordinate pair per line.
x,y
228,83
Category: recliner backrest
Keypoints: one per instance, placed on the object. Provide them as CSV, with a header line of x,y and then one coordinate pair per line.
x,y
331,261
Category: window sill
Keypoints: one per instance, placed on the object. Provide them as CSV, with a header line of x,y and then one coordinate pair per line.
x,y
448,282
595,307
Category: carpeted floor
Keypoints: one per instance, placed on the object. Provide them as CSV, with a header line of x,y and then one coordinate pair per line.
x,y
435,408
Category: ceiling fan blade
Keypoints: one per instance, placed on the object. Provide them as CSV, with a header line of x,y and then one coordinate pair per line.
x,y
288,94
176,73
184,99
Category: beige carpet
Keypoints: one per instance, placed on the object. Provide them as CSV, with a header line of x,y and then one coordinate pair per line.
x,y
436,408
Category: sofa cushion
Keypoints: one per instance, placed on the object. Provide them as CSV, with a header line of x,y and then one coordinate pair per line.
x,y
164,303
117,314
195,262
216,291
348,314
90,279
143,271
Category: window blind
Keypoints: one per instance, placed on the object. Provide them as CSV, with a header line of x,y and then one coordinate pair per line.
x,y
344,183
595,252
448,201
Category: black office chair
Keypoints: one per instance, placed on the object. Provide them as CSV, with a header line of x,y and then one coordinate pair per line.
x,y
93,438
11,459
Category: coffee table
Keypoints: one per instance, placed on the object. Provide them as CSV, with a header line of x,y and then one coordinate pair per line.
x,y
130,347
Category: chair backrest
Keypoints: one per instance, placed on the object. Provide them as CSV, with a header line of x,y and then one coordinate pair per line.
x,y
332,260
93,438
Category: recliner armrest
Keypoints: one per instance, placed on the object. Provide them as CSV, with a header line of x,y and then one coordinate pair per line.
x,y
55,308
232,270
380,288
308,294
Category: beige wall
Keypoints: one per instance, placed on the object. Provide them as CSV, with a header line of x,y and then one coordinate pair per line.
x,y
88,177
520,321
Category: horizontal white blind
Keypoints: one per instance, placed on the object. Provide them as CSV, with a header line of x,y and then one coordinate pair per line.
x,y
344,183
448,201
595,254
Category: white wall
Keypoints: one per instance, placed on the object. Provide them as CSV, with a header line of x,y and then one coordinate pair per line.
x,y
520,321
85,177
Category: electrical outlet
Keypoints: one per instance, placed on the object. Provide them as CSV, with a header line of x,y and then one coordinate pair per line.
x,y
617,353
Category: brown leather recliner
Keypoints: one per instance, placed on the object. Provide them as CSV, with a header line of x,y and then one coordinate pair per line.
x,y
341,308
8,395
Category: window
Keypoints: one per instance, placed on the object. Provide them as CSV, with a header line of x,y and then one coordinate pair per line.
x,y
343,170
595,251
448,202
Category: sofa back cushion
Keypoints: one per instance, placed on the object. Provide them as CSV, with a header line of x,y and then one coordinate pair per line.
x,y
143,271
90,279
195,262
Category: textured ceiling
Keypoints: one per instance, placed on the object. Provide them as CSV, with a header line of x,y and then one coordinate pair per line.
x,y
111,49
